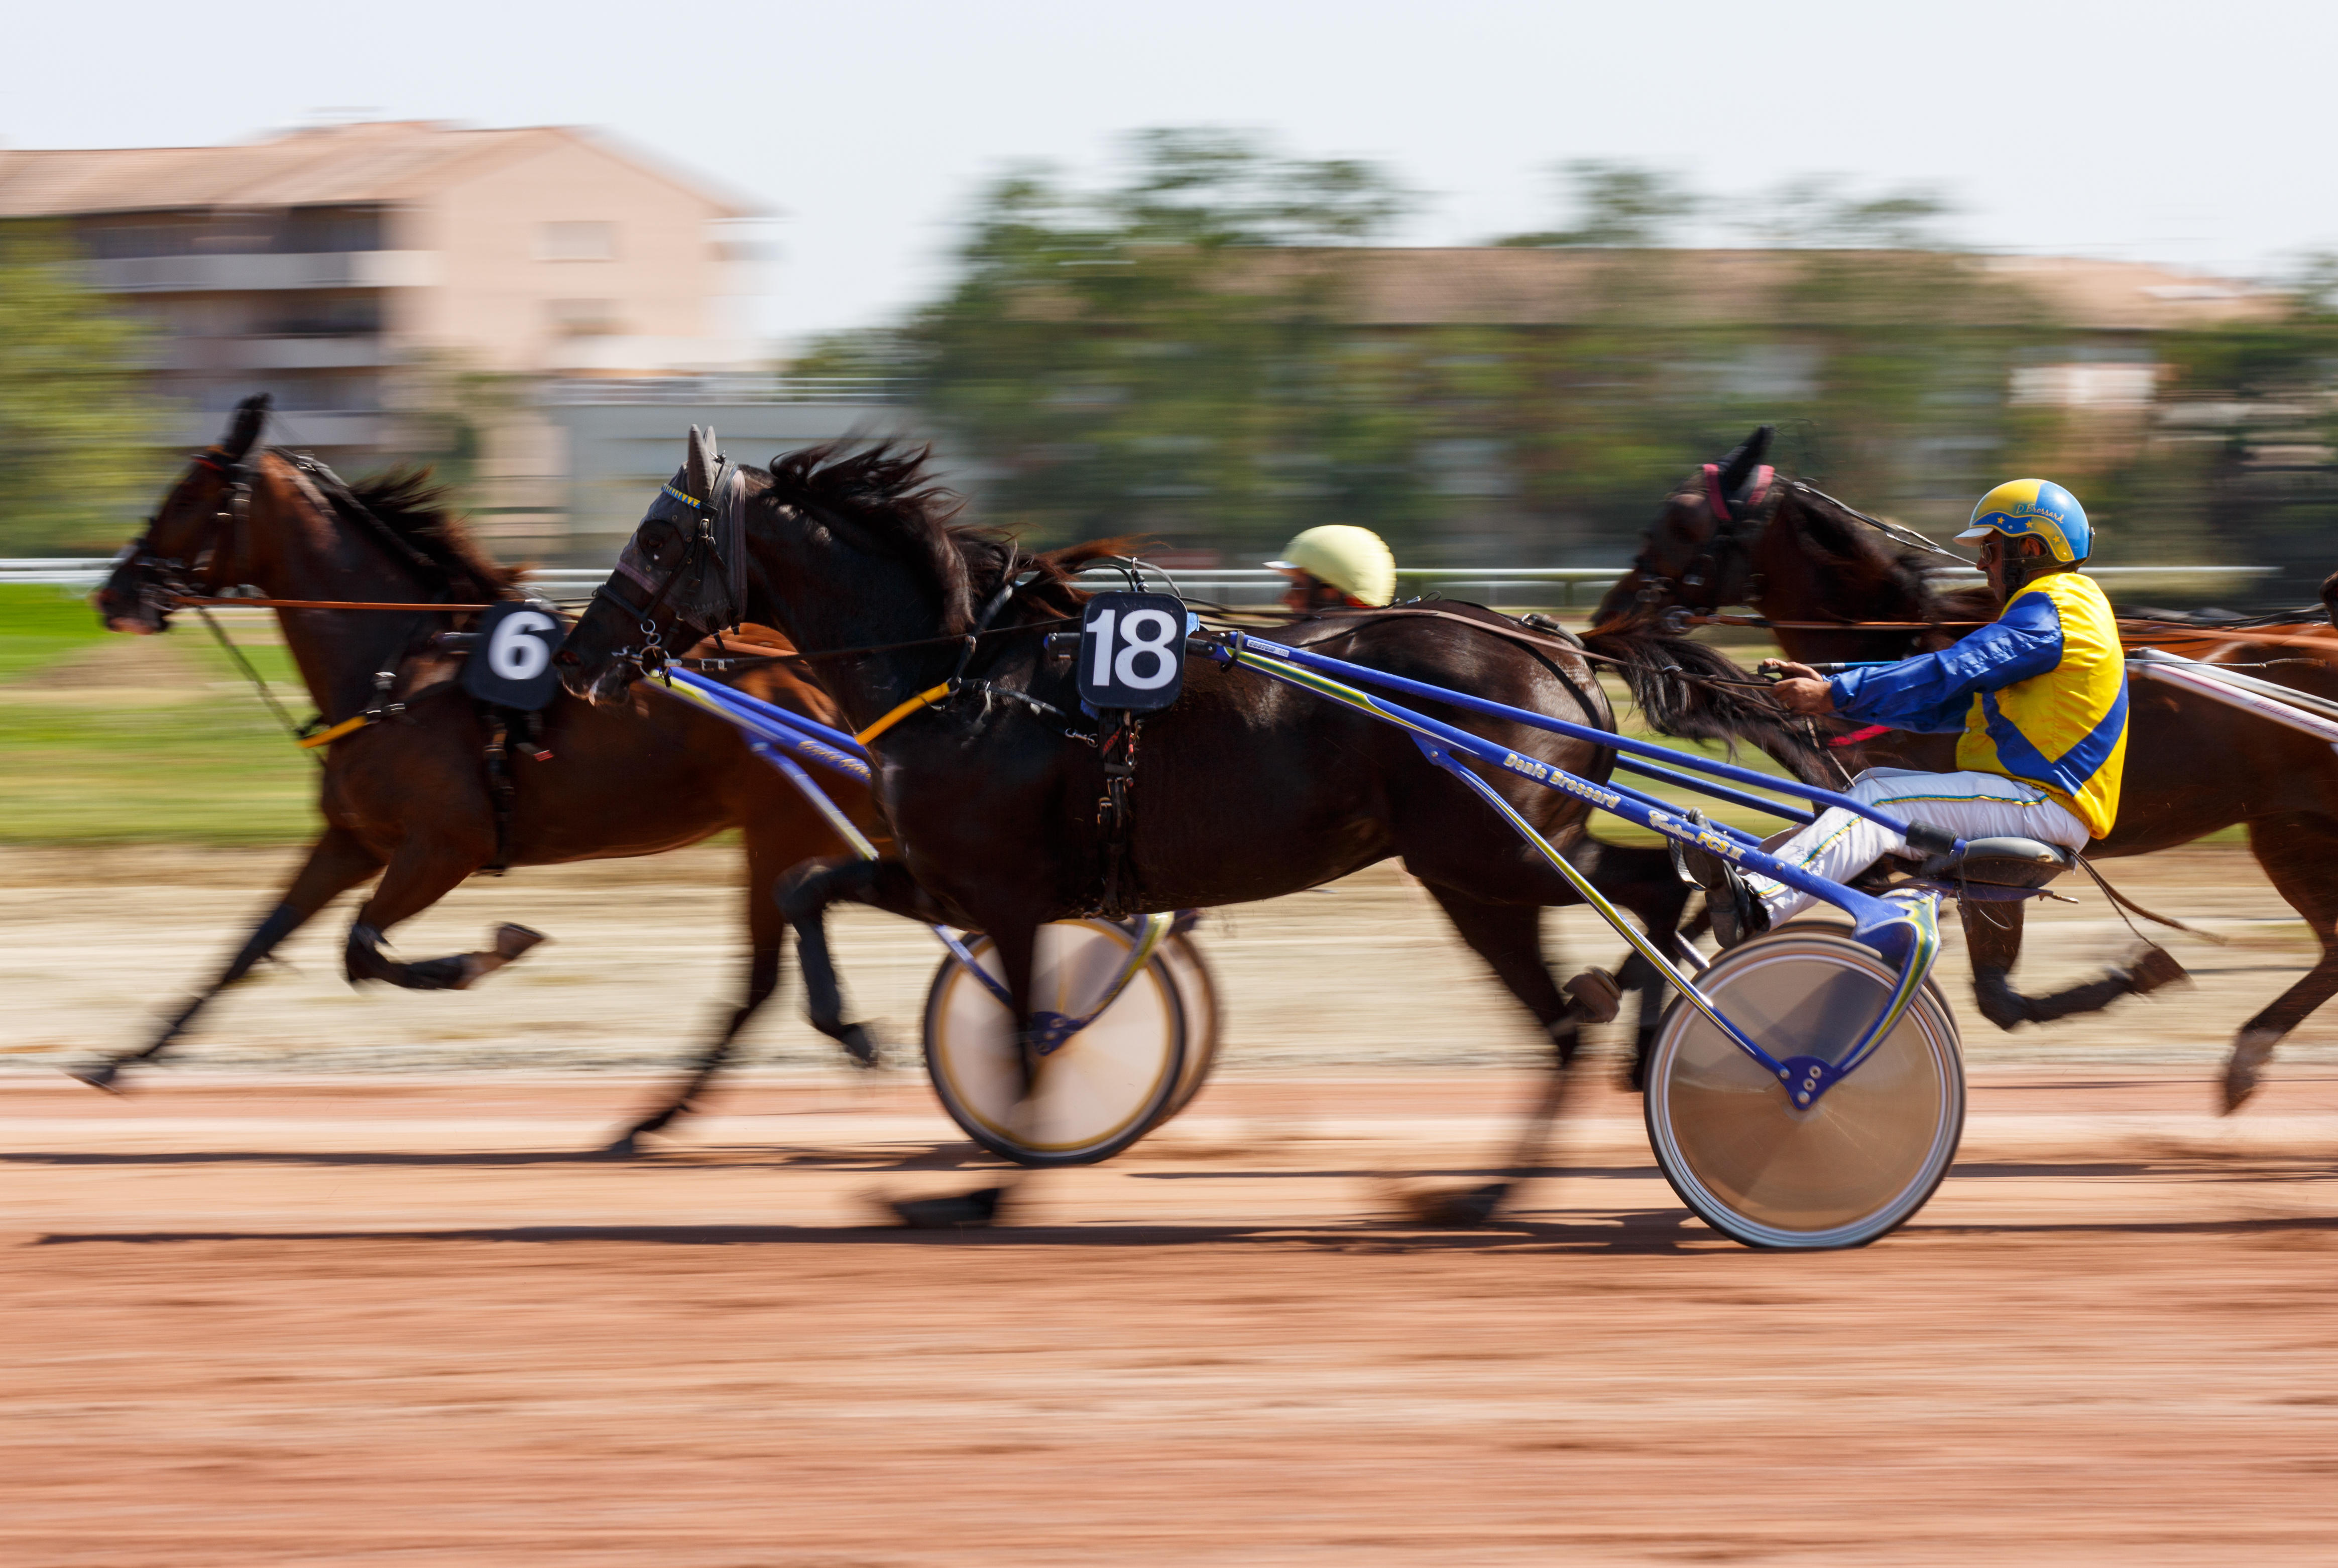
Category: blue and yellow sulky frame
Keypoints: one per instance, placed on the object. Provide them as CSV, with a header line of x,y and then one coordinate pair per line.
x,y
1903,928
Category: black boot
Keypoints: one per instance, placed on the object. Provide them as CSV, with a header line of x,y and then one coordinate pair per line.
x,y
1738,913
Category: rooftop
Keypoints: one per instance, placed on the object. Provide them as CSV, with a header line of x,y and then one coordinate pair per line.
x,y
1478,285
324,165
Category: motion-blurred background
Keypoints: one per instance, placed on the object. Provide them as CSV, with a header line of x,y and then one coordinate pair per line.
x,y
1487,277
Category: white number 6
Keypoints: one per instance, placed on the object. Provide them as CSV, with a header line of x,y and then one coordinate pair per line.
x,y
513,653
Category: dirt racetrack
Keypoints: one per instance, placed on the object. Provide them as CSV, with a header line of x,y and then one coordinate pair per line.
x,y
256,1316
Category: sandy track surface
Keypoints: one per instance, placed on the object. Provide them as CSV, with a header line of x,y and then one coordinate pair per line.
x,y
338,1289
342,1321
1364,974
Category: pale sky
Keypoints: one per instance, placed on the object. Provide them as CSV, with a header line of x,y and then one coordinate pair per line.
x,y
2194,134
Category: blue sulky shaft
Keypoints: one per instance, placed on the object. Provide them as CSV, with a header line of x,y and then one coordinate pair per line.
x,y
1905,933
1718,792
807,738
1364,675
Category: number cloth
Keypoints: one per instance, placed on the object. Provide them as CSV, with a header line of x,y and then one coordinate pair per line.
x,y
2040,694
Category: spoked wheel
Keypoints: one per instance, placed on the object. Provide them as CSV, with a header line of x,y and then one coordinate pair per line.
x,y
1857,1163
1101,1090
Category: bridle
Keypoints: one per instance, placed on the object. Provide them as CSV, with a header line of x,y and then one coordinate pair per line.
x,y
706,588
163,580
1737,522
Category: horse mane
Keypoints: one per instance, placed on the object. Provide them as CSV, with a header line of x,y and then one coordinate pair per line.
x,y
1695,692
402,503
1863,565
887,493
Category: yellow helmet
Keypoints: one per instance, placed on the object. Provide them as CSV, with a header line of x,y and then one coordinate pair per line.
x,y
1353,560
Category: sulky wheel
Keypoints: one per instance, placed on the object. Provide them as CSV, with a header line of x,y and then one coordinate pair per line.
x,y
1857,1163
1197,999
1101,1090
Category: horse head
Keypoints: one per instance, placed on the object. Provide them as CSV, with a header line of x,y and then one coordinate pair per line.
x,y
832,547
190,541
1697,557
683,576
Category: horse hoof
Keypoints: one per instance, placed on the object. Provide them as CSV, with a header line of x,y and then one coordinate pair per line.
x,y
1597,995
624,1146
2156,967
105,1075
859,1045
2245,1069
511,941
1468,1210
964,1211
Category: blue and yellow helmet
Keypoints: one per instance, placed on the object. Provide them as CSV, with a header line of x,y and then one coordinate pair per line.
x,y
2034,509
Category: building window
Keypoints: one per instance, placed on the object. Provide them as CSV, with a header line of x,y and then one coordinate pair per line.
x,y
583,318
576,242
327,231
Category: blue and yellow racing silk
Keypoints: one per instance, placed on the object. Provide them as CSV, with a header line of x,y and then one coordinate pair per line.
x,y
2039,693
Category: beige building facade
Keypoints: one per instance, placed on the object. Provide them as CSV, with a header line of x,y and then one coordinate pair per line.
x,y
340,267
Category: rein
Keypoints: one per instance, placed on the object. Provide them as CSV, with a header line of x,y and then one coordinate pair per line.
x,y
432,608
2132,630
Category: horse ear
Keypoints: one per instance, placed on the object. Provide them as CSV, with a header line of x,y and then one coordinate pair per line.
x,y
243,430
1746,456
698,471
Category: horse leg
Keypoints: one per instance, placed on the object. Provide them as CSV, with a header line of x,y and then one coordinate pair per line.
x,y
2296,860
1993,943
1509,937
766,932
1641,880
805,894
420,873
1017,943
336,863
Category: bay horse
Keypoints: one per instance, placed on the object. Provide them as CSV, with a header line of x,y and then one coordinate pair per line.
x,y
409,799
1244,789
1815,569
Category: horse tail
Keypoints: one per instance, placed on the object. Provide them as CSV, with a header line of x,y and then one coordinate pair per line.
x,y
1693,692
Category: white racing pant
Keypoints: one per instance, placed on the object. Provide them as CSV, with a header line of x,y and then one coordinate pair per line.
x,y
1839,846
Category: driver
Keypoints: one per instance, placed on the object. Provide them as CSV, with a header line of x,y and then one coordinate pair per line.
x,y
1337,566
2039,696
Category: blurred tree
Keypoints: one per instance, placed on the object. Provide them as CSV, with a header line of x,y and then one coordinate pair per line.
x,y
1203,352
1816,211
1620,204
78,436
1168,356
450,412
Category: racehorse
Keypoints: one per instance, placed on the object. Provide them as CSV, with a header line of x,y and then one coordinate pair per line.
x,y
411,796
1243,789
1816,570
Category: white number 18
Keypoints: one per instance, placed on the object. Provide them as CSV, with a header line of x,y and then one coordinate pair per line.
x,y
1146,632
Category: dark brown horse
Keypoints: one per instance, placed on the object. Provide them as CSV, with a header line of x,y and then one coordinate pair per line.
x,y
1244,789
1812,566
409,799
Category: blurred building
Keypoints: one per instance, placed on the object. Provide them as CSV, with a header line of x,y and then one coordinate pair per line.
x,y
409,288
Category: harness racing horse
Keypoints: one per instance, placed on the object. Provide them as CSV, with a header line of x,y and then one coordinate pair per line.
x,y
409,796
993,781
1815,569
